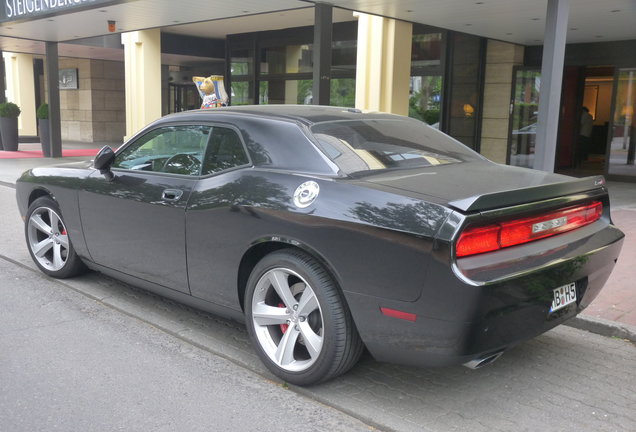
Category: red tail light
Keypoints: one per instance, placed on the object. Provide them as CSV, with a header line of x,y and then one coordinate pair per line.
x,y
488,238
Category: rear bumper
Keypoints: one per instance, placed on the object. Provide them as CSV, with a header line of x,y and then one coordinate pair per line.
x,y
462,316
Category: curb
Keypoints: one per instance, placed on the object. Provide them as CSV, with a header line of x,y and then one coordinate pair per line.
x,y
603,327
7,184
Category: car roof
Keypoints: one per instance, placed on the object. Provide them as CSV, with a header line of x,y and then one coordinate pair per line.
x,y
306,114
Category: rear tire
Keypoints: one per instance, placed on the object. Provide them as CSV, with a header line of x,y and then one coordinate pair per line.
x,y
48,240
298,320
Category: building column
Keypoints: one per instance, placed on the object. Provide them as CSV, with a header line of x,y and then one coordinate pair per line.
x,y
556,27
53,84
3,96
323,36
383,67
21,90
501,58
142,58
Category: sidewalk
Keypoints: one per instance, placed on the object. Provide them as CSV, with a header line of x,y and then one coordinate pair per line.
x,y
11,169
613,313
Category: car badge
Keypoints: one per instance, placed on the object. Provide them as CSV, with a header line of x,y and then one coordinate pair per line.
x,y
306,194
549,225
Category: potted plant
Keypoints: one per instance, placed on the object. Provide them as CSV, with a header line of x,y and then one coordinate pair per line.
x,y
9,113
43,125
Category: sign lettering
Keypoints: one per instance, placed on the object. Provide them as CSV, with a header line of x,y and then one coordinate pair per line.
x,y
21,9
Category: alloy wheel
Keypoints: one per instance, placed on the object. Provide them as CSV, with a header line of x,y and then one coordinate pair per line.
x,y
287,319
48,239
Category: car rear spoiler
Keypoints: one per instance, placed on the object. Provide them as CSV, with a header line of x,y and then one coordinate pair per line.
x,y
529,194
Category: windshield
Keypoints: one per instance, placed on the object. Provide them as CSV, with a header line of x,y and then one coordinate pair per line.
x,y
356,146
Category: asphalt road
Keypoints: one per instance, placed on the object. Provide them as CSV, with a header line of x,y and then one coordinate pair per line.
x,y
94,354
69,363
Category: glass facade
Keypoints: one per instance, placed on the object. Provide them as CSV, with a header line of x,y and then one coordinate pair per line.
x,y
285,73
276,67
426,76
343,72
596,115
343,92
622,149
282,91
286,59
523,123
463,110
183,97
242,74
595,120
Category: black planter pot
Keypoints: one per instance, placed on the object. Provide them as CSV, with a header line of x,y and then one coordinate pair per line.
x,y
9,133
45,137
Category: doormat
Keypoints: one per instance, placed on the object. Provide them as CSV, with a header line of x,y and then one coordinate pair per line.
x,y
23,154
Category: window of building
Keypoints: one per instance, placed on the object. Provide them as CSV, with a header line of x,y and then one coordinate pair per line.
x,y
242,73
282,91
426,86
622,151
343,72
286,59
446,82
464,89
276,67
523,121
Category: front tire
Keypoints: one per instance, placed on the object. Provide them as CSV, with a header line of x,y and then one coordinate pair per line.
x,y
48,240
298,320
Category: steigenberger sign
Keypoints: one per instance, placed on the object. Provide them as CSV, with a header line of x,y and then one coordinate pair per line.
x,y
14,10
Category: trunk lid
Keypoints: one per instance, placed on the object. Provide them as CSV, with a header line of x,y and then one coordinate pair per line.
x,y
479,186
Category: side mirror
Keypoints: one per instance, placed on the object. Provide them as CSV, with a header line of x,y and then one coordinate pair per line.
x,y
103,160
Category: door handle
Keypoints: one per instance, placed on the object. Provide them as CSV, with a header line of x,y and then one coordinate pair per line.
x,y
171,194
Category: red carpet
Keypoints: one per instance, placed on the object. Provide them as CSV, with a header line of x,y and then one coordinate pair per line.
x,y
38,153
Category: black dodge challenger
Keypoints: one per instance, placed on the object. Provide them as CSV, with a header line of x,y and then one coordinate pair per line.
x,y
328,231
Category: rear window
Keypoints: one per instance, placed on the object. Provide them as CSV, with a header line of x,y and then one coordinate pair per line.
x,y
359,146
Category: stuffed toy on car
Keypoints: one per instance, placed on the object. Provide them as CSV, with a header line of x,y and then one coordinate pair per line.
x,y
212,91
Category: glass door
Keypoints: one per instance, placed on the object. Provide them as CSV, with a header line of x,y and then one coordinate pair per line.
x,y
183,97
622,140
524,108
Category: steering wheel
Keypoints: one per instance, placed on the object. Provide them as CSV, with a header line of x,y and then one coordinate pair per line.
x,y
182,163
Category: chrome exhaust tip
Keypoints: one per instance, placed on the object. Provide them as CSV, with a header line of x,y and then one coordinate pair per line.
x,y
483,361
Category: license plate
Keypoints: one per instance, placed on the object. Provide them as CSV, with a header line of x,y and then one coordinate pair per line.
x,y
563,296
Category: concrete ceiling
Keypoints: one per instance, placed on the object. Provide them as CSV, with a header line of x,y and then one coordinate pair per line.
x,y
518,21
270,21
217,28
137,15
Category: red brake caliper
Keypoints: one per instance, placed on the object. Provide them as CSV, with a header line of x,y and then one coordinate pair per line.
x,y
283,327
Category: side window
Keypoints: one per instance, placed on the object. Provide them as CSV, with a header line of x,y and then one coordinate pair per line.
x,y
172,149
225,151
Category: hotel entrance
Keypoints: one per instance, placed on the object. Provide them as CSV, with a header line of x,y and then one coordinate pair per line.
x,y
586,103
585,123
622,143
